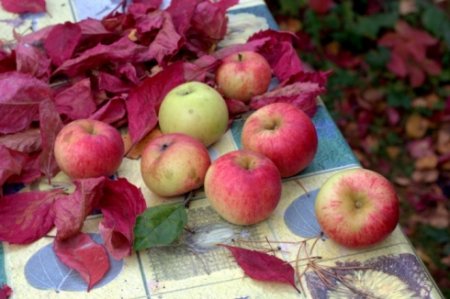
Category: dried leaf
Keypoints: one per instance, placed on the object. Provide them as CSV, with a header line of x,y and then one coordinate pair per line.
x,y
262,266
426,162
26,216
121,203
85,256
416,126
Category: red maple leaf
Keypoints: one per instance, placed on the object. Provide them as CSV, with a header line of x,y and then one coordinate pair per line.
x,y
408,53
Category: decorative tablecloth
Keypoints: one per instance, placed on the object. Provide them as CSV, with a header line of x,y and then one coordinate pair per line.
x,y
195,267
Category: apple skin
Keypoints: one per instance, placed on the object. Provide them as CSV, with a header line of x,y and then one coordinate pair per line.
x,y
283,133
244,187
357,208
195,109
243,75
173,164
87,148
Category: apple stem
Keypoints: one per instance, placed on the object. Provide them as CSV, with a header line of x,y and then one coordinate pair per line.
x,y
239,57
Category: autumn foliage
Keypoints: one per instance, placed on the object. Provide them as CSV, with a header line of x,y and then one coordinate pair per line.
x,y
389,92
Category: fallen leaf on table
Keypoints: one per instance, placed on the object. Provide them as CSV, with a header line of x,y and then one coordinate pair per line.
x,y
24,6
5,291
160,225
120,205
19,104
61,42
85,256
76,101
26,216
27,141
50,124
71,210
262,266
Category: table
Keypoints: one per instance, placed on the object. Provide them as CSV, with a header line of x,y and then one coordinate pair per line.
x,y
196,268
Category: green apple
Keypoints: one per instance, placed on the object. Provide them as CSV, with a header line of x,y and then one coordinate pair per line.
x,y
194,109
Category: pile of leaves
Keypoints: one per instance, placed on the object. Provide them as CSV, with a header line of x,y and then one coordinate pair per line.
x,y
116,70
390,95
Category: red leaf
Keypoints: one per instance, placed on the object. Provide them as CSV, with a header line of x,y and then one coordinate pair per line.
x,y
144,100
31,170
76,102
85,256
262,266
62,41
27,141
166,43
113,111
408,53
121,203
27,216
11,163
122,50
111,83
24,6
19,103
32,60
181,13
208,25
5,291
50,125
320,6
71,210
279,52
301,90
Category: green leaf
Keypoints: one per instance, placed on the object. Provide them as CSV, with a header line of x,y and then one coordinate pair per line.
x,y
398,96
379,58
369,26
290,7
159,226
436,21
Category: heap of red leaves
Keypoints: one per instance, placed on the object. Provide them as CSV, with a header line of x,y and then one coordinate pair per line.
x,y
32,6
116,70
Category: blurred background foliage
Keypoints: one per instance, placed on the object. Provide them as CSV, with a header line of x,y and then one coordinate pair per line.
x,y
389,93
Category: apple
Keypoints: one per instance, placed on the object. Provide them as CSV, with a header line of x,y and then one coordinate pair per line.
x,y
87,148
195,109
283,133
173,164
243,75
244,187
357,208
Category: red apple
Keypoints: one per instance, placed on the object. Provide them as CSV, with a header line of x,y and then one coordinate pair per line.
x,y
357,208
283,133
243,187
87,148
243,75
173,164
